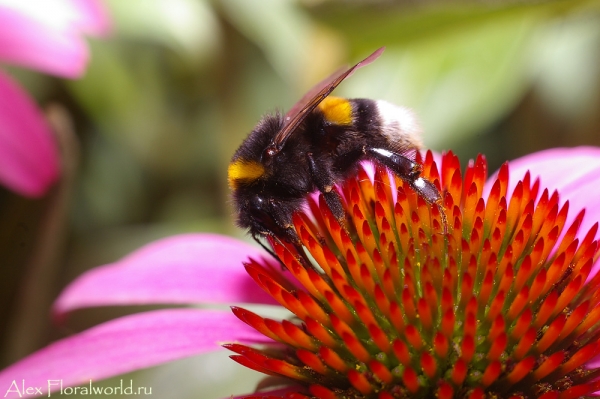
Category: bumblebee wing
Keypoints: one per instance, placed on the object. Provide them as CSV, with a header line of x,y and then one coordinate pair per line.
x,y
312,93
410,153
302,108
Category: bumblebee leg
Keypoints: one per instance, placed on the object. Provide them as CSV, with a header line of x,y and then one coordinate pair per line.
x,y
295,242
410,172
325,182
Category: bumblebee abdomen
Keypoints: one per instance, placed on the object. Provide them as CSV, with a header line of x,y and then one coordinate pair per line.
x,y
386,125
398,125
374,120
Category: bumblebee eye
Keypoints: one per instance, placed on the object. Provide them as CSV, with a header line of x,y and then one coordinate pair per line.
x,y
257,202
271,151
268,154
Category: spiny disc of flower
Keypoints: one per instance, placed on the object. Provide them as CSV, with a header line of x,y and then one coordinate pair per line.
x,y
499,307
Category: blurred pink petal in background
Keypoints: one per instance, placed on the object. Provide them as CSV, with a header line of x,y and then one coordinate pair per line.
x,y
125,344
47,36
29,161
182,269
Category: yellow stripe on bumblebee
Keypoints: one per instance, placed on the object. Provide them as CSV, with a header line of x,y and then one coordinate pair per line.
x,y
336,110
242,171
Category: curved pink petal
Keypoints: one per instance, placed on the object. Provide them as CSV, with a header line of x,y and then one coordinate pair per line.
x,y
127,344
183,269
43,36
28,153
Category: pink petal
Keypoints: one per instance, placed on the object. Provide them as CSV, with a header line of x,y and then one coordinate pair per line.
x,y
28,153
183,269
43,36
127,344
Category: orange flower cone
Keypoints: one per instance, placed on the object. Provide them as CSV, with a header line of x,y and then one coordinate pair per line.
x,y
502,305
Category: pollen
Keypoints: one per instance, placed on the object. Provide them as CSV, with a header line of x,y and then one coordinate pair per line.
x,y
242,171
337,111
502,304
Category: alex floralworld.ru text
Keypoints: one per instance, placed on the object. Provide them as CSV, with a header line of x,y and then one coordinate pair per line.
x,y
19,389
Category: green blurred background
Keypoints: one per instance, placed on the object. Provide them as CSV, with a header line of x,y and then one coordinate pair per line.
x,y
171,94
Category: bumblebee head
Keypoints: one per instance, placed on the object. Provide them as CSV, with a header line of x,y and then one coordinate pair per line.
x,y
249,162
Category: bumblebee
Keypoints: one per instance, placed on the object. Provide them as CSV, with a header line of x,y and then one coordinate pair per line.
x,y
317,144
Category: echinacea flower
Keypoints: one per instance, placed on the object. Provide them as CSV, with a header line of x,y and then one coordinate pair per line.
x,y
47,36
504,305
